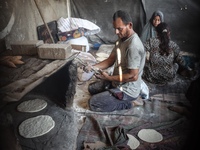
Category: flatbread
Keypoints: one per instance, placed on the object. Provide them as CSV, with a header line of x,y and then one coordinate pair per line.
x,y
32,105
100,59
102,55
132,142
36,126
150,135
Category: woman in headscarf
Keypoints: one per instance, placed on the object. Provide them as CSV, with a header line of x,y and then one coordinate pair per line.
x,y
149,29
164,59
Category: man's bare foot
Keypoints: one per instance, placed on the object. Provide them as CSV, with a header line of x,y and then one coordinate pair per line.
x,y
138,101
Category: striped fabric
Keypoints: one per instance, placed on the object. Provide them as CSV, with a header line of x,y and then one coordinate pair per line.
x,y
69,24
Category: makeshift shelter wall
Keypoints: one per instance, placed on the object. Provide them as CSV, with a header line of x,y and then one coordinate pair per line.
x,y
100,12
20,18
181,15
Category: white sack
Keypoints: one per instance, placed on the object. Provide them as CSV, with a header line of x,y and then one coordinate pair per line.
x,y
69,24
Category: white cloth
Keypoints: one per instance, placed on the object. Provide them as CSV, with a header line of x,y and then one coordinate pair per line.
x,y
79,41
69,24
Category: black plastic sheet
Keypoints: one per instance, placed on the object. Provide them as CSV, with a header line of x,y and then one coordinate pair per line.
x,y
101,12
183,19
182,16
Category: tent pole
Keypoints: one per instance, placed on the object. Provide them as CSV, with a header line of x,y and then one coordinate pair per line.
x,y
44,21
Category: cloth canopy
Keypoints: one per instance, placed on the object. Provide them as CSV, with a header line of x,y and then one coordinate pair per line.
x,y
182,16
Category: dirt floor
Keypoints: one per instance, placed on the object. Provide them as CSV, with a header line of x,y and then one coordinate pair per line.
x,y
76,125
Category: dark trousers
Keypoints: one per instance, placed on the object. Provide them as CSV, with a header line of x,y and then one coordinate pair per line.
x,y
106,98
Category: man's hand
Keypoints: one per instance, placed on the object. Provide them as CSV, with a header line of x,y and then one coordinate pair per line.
x,y
102,75
128,77
87,68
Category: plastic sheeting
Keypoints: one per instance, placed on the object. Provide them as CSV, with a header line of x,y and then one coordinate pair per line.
x,y
101,12
181,15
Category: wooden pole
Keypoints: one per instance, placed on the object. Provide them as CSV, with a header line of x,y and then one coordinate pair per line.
x,y
44,21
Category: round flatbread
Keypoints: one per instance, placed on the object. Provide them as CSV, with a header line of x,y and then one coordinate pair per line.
x,y
36,126
102,55
132,142
150,135
100,59
31,106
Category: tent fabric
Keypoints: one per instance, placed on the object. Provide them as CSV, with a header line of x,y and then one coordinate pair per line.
x,y
182,16
101,12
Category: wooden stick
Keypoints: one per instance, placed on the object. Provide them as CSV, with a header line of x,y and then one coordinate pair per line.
x,y
44,21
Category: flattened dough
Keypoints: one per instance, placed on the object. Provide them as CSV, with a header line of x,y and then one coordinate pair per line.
x,y
31,106
36,126
150,135
132,142
102,55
